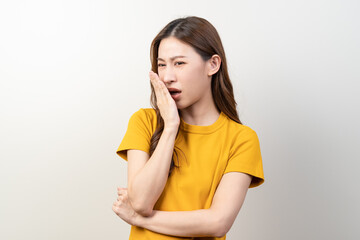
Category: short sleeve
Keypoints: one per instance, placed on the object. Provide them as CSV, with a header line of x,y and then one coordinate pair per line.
x,y
138,134
245,156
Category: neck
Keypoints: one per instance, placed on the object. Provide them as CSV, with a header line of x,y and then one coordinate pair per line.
x,y
200,115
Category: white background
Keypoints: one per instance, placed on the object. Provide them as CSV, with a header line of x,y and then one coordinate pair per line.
x,y
72,73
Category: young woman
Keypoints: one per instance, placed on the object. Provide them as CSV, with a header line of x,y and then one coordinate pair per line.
x,y
190,159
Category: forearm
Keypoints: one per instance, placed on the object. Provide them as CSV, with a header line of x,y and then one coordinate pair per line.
x,y
147,185
196,223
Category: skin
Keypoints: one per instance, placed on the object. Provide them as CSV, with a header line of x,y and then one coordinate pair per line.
x,y
192,76
147,176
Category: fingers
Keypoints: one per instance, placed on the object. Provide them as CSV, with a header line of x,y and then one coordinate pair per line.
x,y
117,204
122,191
160,88
155,83
154,77
116,208
154,80
119,201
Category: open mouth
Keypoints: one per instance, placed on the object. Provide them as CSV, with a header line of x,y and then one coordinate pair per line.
x,y
175,92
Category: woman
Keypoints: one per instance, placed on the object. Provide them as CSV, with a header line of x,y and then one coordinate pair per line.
x,y
190,159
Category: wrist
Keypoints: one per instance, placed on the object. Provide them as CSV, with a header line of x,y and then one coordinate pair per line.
x,y
137,219
171,130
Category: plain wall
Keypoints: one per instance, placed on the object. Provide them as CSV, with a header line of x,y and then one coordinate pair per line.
x,y
73,72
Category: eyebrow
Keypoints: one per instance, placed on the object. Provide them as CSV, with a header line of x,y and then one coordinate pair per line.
x,y
172,58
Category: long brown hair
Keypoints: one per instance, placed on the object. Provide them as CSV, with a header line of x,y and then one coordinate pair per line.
x,y
203,37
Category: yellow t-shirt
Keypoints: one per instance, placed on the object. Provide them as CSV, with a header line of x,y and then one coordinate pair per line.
x,y
210,152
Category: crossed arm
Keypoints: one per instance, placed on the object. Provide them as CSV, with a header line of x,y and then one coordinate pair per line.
x,y
146,181
213,222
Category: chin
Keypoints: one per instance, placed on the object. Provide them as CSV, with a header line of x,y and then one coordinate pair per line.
x,y
180,106
183,106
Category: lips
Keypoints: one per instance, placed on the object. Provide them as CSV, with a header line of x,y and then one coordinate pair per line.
x,y
174,90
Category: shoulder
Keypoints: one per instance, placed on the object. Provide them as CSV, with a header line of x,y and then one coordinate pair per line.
x,y
238,129
240,134
145,117
150,112
144,113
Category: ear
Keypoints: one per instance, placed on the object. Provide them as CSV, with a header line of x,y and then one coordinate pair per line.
x,y
213,64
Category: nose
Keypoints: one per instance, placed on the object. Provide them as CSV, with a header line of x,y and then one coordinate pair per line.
x,y
168,75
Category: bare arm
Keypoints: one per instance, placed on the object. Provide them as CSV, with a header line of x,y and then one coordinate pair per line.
x,y
215,221
147,177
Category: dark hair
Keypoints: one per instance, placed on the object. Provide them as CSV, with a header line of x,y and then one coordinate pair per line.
x,y
203,37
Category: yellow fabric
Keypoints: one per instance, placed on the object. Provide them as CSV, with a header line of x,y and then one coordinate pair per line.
x,y
210,152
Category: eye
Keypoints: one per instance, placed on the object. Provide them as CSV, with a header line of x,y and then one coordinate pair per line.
x,y
179,63
161,65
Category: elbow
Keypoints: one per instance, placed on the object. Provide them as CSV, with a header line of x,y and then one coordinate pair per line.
x,y
221,227
142,208
220,232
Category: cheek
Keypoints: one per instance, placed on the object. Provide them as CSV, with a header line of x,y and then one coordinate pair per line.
x,y
200,78
196,85
193,74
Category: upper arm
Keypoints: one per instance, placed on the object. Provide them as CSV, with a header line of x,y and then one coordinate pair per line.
x,y
229,197
136,161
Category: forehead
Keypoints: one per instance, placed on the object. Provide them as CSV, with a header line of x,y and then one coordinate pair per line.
x,y
171,46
